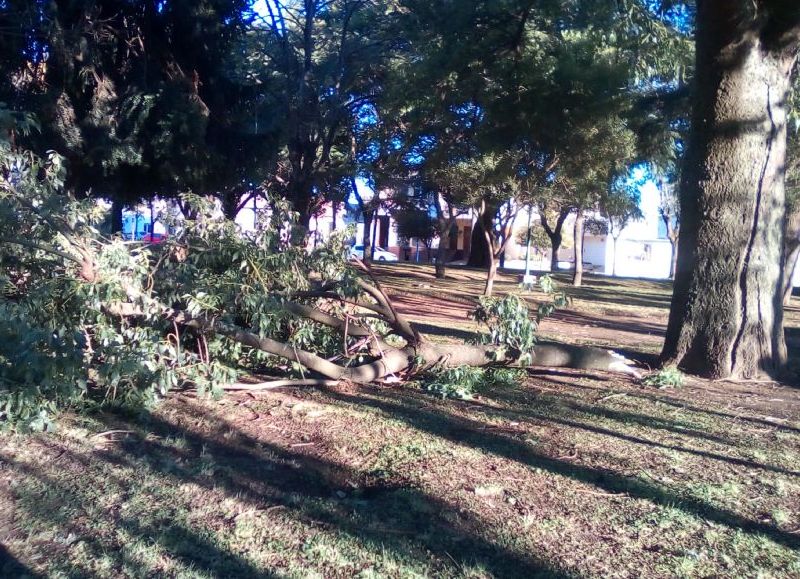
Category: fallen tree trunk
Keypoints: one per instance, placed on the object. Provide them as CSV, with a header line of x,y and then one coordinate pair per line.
x,y
418,354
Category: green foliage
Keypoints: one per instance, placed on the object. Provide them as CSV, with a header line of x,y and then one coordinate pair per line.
x,y
87,319
538,236
668,377
465,382
509,325
462,382
559,297
415,223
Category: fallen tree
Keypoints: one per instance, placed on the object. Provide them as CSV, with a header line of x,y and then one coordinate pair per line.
x,y
122,322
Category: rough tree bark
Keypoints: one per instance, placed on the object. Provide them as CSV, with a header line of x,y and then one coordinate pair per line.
x,y
479,255
577,277
726,318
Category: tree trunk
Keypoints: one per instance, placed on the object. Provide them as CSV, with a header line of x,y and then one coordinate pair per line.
x,y
614,257
791,251
792,255
673,259
367,241
555,244
726,317
230,206
554,234
479,255
577,278
441,256
374,237
491,273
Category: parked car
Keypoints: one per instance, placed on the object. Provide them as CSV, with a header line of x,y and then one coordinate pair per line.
x,y
154,237
379,255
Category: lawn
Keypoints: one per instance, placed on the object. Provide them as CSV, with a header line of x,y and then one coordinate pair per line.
x,y
563,474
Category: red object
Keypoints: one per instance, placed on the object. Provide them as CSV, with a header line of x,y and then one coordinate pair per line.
x,y
154,237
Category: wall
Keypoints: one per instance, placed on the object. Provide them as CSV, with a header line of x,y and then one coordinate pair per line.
x,y
635,258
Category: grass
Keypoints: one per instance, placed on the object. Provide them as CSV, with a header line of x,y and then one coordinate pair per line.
x,y
561,474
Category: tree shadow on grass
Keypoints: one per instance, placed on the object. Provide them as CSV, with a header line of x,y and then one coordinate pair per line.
x,y
53,508
10,566
634,326
304,489
447,332
472,433
565,401
684,405
650,423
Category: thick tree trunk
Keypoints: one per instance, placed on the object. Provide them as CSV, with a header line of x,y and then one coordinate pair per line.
x,y
577,277
727,317
479,255
555,245
441,256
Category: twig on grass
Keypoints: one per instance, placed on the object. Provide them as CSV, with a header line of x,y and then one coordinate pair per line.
x,y
610,396
601,494
110,432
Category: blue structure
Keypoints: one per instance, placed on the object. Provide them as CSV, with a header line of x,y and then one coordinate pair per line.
x,y
135,226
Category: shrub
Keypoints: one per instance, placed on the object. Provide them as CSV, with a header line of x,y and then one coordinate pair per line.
x,y
84,321
668,377
464,382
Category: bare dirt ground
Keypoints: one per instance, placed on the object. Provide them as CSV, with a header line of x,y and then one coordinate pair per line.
x,y
565,474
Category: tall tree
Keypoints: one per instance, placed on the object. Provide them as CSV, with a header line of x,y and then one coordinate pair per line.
x,y
726,317
619,205
142,98
320,62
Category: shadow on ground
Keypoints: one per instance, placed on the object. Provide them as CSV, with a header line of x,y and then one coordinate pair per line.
x,y
269,479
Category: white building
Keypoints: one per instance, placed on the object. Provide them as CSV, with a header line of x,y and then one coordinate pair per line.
x,y
642,249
